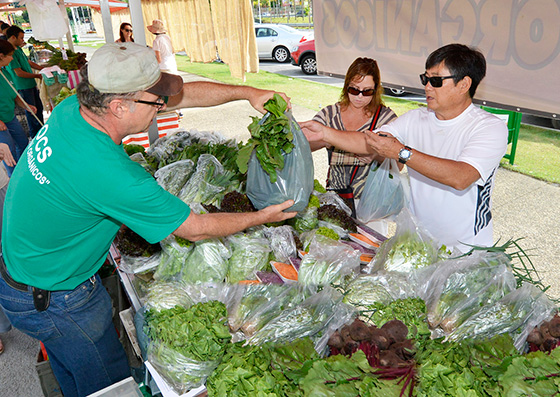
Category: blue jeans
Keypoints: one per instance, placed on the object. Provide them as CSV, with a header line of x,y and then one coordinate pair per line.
x,y
31,96
16,139
78,334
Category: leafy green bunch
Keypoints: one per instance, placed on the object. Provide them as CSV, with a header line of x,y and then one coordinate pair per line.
x,y
270,137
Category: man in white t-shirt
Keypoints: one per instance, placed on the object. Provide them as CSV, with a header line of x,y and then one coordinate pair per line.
x,y
451,148
162,47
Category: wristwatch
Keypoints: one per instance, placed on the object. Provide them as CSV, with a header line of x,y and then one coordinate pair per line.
x,y
404,154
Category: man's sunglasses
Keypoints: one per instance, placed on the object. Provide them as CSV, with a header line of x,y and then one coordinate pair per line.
x,y
355,91
435,81
159,105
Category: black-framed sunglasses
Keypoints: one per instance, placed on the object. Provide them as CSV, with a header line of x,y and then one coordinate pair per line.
x,y
355,91
435,81
128,30
159,105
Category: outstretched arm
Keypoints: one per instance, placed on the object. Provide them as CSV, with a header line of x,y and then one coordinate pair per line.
x,y
198,227
205,94
320,135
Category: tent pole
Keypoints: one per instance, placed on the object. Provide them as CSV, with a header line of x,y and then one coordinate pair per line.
x,y
106,18
137,21
69,33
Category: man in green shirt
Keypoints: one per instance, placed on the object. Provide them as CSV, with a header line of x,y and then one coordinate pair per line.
x,y
76,187
24,78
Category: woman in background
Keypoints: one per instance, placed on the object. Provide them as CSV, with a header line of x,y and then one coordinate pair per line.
x,y
11,131
162,47
125,33
360,108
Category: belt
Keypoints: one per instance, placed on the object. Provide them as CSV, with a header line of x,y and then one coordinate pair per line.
x,y
41,297
9,280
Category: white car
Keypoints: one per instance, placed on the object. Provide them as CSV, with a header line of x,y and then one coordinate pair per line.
x,y
276,41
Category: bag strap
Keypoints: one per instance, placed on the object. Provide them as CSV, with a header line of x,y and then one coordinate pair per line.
x,y
371,128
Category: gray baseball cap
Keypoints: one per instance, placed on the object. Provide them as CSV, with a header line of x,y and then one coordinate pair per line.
x,y
120,68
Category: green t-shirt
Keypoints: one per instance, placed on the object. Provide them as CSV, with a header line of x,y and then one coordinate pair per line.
x,y
7,98
70,192
21,61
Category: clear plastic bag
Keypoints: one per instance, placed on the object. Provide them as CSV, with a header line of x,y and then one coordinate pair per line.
x,y
517,313
208,262
385,193
173,257
331,198
139,264
181,372
411,248
327,262
382,287
174,176
249,254
209,183
455,289
282,242
294,181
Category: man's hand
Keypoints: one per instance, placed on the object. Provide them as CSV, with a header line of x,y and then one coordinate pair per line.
x,y
6,154
259,97
33,108
3,126
313,130
384,144
275,213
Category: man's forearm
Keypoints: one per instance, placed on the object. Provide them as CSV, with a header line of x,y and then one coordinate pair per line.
x,y
200,227
205,94
26,75
350,141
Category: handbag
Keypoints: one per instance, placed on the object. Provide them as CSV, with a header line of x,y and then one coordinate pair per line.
x,y
347,193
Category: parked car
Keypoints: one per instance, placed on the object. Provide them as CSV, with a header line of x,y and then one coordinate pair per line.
x,y
275,41
303,55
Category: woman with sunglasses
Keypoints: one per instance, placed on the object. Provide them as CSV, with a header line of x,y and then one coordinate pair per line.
x,y
125,33
360,108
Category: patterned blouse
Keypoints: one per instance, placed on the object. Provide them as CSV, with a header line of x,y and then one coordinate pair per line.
x,y
341,163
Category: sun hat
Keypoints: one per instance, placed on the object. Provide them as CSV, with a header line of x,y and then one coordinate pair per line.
x,y
156,27
121,68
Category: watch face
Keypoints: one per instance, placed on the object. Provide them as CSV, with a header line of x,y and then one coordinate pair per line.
x,y
405,154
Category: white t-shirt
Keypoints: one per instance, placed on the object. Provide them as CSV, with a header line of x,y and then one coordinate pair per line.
x,y
475,137
162,43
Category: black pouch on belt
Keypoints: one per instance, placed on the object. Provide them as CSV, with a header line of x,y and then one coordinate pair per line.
x,y
41,299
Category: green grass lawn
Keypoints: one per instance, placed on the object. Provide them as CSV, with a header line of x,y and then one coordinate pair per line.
x,y
538,149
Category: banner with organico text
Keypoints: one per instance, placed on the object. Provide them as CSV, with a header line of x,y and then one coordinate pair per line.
x,y
519,38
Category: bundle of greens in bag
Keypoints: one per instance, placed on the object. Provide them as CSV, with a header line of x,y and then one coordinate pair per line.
x,y
277,159
386,192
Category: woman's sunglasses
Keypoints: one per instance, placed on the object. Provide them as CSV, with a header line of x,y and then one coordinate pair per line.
x,y
355,91
435,81
128,30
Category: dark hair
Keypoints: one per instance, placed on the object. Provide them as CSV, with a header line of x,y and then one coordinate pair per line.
x,y
121,35
6,48
461,60
93,100
4,25
360,68
14,31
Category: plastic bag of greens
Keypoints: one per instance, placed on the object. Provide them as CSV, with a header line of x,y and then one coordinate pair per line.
x,y
282,242
316,317
293,177
411,248
209,183
382,287
332,198
249,254
455,289
328,262
386,192
175,251
174,176
517,313
208,262
139,264
187,344
253,305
